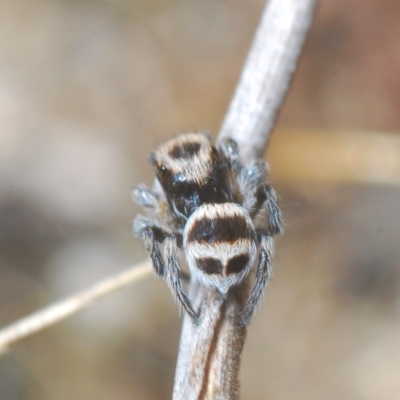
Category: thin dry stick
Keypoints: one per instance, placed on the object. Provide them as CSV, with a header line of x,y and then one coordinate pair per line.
x,y
56,312
267,74
209,354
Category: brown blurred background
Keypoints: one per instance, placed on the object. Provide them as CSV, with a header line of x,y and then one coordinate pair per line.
x,y
87,88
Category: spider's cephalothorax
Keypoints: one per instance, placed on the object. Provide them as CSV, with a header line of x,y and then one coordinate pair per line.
x,y
209,207
191,172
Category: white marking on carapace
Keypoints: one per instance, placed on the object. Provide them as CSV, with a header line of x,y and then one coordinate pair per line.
x,y
194,169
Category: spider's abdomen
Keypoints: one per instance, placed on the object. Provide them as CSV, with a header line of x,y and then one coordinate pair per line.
x,y
220,244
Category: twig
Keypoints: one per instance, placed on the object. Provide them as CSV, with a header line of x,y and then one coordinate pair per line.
x,y
267,74
209,354
56,312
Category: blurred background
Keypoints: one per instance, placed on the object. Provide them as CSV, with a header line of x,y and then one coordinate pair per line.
x,y
88,88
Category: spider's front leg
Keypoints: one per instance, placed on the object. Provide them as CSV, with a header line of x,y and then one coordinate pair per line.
x,y
231,152
267,197
149,230
264,272
154,235
259,196
148,199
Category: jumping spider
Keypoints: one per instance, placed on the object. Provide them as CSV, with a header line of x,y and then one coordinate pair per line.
x,y
205,203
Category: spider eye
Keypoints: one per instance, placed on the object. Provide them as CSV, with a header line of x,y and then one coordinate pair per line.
x,y
210,266
162,169
237,264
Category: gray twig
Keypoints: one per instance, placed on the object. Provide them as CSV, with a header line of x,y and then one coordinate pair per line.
x,y
209,354
267,74
62,309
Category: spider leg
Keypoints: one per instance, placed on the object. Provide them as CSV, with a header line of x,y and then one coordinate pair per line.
x,y
147,199
264,272
267,198
249,179
231,152
258,195
173,276
153,235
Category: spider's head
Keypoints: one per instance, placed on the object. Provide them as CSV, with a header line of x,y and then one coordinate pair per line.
x,y
190,172
220,245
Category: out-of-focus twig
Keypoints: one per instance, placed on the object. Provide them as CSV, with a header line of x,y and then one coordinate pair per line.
x,y
56,312
209,354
